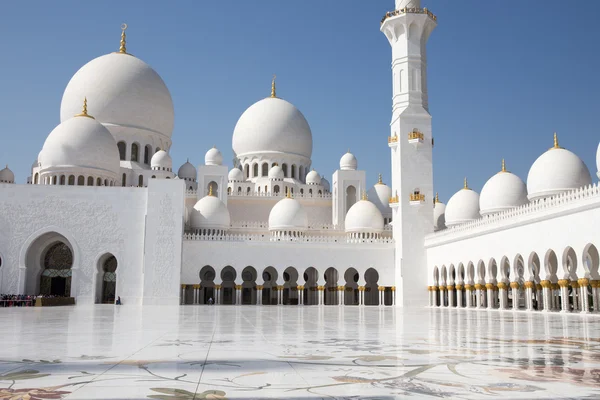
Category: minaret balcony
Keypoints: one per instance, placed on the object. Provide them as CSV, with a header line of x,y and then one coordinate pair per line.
x,y
408,10
392,141
417,199
394,200
415,137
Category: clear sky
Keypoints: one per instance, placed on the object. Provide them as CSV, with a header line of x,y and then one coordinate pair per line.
x,y
503,76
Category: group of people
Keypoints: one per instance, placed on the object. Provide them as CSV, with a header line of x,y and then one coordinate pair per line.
x,y
16,300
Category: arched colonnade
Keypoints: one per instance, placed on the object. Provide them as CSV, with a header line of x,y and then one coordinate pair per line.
x,y
251,286
560,281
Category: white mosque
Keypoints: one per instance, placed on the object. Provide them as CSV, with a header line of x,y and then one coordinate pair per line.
x,y
104,214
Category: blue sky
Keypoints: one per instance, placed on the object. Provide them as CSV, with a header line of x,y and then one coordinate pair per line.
x,y
502,78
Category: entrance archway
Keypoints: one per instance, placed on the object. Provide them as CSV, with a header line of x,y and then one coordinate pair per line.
x,y
290,286
371,287
56,275
106,279
207,284
351,288
249,276
269,294
311,292
228,276
331,284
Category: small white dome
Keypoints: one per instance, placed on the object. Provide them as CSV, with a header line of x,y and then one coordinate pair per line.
x,y
364,217
557,170
439,215
272,125
6,175
313,178
210,213
380,195
288,215
502,191
213,157
325,183
236,175
462,207
161,159
276,172
122,90
348,162
81,142
187,171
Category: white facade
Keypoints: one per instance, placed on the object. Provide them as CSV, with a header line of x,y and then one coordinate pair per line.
x,y
271,229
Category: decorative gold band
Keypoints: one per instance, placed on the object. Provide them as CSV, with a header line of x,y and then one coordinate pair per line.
x,y
546,284
563,283
514,285
530,285
501,285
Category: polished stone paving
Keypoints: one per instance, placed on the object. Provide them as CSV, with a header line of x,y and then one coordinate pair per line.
x,y
290,352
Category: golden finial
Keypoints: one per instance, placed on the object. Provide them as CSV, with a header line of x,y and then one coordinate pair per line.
x,y
364,195
273,89
84,112
466,187
348,152
437,198
503,166
288,194
556,146
380,182
123,48
210,192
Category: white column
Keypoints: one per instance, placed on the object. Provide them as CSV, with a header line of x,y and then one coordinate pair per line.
x,y
393,296
478,295
459,300
490,296
503,295
514,286
583,291
469,297
182,294
564,295
450,289
595,298
301,295
576,296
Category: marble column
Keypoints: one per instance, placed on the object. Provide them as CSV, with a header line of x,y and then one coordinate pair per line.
x,y
529,286
576,296
503,295
361,297
340,291
259,291
280,291
459,302
514,286
450,289
595,295
469,296
182,294
238,294
539,296
556,296
393,295
547,295
491,303
564,295
583,292
217,299
478,288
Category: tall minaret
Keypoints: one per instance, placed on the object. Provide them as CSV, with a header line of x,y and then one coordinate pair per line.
x,y
407,29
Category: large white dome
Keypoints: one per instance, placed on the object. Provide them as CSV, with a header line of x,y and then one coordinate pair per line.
x,y
276,173
288,215
380,196
462,207
272,125
213,157
236,175
210,213
81,142
348,162
502,191
364,216
557,170
161,160
313,178
122,90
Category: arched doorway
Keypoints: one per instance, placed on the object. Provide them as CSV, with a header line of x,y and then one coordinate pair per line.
x,y
56,274
331,283
351,288
350,197
228,276
311,292
207,284
290,286
371,287
249,276
269,293
106,279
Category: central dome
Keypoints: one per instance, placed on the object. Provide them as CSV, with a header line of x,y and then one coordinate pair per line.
x,y
272,125
122,90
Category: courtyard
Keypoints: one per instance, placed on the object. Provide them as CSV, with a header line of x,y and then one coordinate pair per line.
x,y
249,352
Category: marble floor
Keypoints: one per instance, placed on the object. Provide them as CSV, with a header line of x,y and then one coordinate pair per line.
x,y
282,352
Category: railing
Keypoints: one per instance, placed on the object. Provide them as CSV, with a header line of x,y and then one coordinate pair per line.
x,y
269,238
417,197
392,139
407,10
590,192
280,195
394,199
415,134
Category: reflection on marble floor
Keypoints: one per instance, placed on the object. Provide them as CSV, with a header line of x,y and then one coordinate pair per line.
x,y
248,352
